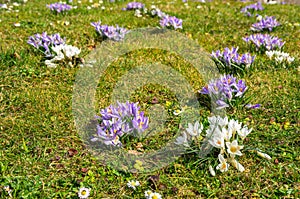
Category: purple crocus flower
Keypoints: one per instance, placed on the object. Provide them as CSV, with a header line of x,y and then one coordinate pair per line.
x,y
59,7
115,121
255,106
264,42
240,88
140,123
267,23
134,6
224,90
110,32
171,22
248,10
44,42
230,61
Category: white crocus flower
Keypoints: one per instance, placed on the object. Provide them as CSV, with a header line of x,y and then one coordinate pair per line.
x,y
223,166
211,170
244,132
50,64
290,59
138,13
194,130
270,54
217,141
71,51
227,133
233,148
264,155
279,59
237,165
234,126
182,140
217,120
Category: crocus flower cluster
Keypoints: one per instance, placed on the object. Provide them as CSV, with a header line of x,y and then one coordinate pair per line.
x,y
224,135
53,46
267,23
248,10
116,121
63,52
264,42
225,91
110,32
59,7
134,6
171,22
229,61
280,57
44,42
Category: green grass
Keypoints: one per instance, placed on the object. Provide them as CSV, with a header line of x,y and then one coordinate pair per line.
x,y
38,134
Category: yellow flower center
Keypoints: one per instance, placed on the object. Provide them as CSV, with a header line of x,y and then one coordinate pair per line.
x,y
141,125
219,142
154,197
83,192
233,149
224,166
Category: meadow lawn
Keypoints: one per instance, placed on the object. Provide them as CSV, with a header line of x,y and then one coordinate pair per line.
x,y
42,155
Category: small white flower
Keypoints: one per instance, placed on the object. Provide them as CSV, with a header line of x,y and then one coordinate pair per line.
x,y
148,193
102,7
8,190
133,184
182,140
91,1
237,165
194,130
259,18
223,166
177,112
211,170
233,148
83,193
155,195
15,4
89,7
264,155
78,1
17,24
